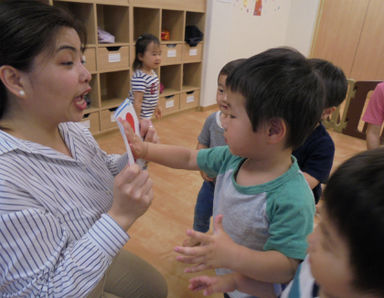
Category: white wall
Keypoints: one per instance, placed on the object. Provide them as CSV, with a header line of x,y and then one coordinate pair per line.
x,y
301,24
233,32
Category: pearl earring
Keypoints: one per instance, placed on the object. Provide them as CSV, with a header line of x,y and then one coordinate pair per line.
x,y
21,92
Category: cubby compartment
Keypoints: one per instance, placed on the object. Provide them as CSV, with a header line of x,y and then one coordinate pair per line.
x,y
191,76
107,119
192,54
90,59
170,77
146,20
113,58
189,99
114,88
169,104
84,12
195,18
114,20
92,122
171,53
93,96
172,21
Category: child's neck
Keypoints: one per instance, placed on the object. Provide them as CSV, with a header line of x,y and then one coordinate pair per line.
x,y
255,171
146,70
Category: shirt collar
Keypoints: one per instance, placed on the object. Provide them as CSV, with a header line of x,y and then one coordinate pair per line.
x,y
9,143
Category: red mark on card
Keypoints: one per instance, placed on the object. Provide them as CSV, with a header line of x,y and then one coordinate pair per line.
x,y
130,120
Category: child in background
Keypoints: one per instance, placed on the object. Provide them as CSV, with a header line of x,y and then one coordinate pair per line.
x,y
145,82
315,156
345,250
274,100
374,117
211,136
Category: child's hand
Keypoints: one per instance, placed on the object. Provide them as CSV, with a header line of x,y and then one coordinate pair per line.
x,y
206,177
158,113
148,132
138,147
213,284
215,251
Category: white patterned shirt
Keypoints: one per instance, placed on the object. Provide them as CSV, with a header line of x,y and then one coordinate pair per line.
x,y
56,239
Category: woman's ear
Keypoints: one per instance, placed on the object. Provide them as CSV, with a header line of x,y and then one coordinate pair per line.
x,y
12,80
277,130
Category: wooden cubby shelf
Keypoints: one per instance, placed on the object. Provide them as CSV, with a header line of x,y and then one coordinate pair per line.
x,y
110,63
115,20
173,22
114,88
84,12
146,20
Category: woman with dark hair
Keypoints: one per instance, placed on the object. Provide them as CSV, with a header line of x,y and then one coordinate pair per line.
x,y
65,205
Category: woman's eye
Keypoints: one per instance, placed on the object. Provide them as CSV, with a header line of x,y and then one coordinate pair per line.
x,y
67,63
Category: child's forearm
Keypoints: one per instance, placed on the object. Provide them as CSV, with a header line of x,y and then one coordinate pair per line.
x,y
312,181
172,156
253,287
267,266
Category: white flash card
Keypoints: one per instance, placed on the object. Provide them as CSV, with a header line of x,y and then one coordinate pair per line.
x,y
127,112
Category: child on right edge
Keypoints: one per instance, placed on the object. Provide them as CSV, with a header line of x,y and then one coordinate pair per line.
x,y
274,101
212,135
374,117
345,255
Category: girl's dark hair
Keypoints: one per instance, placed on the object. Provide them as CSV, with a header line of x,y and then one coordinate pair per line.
x,y
28,27
280,83
354,202
142,43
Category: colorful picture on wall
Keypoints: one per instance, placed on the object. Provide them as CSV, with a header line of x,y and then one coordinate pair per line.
x,y
258,8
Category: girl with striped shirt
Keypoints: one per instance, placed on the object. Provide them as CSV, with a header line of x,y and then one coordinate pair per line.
x,y
145,83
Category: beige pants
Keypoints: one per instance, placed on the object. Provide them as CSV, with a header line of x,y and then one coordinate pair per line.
x,y
130,276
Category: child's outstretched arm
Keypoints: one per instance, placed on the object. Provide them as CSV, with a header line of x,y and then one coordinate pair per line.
x,y
203,174
230,282
220,251
168,155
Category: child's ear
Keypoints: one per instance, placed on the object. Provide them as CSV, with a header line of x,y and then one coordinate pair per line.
x,y
277,130
327,112
140,56
12,80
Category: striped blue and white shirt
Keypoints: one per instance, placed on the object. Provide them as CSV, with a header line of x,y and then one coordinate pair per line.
x,y
56,239
149,85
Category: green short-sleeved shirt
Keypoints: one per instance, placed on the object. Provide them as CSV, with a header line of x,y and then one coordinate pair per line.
x,y
277,215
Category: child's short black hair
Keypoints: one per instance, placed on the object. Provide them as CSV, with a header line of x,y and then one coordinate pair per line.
x,y
230,66
141,45
280,83
354,202
334,80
